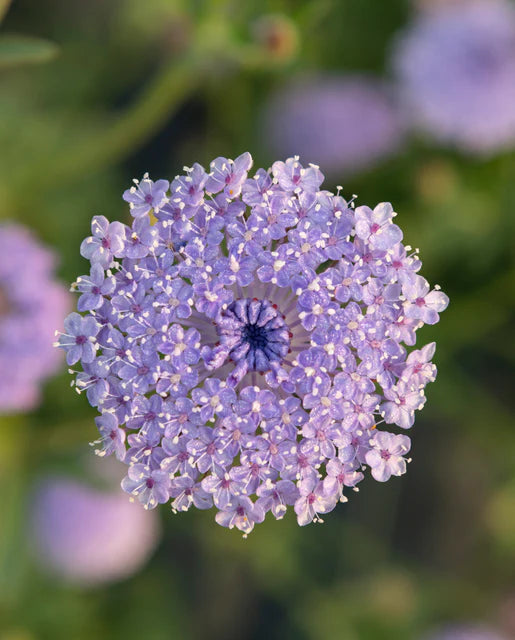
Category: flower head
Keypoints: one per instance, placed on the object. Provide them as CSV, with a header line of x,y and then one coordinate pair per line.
x,y
345,123
456,70
88,536
465,631
32,304
250,371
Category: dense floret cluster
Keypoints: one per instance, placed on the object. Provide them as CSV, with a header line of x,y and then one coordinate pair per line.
x,y
32,304
247,342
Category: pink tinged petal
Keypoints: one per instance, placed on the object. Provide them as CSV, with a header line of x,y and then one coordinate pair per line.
x,y
381,472
386,237
437,300
390,412
373,458
382,213
362,229
397,466
427,352
304,510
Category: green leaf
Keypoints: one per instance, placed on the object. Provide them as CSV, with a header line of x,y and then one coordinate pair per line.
x,y
16,50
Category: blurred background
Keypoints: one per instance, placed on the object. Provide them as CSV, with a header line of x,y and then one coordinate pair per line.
x,y
404,101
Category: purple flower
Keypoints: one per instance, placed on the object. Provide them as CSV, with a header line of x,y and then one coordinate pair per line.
x,y
345,123
229,175
402,402
376,226
276,497
146,196
386,457
465,631
79,338
243,349
186,492
455,67
94,380
240,513
293,177
150,487
106,242
32,304
113,438
93,288
340,475
87,536
423,304
312,501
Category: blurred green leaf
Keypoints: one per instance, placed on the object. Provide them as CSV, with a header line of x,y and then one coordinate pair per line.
x,y
17,50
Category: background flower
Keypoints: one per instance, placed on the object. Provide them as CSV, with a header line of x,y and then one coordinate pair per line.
x,y
89,536
31,303
456,72
344,123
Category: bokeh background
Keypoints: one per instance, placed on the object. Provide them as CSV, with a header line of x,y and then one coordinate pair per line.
x,y
98,92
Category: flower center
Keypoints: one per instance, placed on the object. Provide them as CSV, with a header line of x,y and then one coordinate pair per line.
x,y
254,331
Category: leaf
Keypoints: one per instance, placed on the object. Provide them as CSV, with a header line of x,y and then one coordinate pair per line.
x,y
17,50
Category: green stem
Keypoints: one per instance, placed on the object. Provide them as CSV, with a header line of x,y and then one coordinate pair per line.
x,y
130,130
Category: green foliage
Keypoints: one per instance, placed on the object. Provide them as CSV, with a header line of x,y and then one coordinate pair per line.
x,y
18,50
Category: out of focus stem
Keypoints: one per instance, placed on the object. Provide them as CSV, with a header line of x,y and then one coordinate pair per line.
x,y
130,129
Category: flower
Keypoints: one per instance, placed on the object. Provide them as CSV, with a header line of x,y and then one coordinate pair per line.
x,y
345,123
32,304
88,536
386,458
258,393
455,66
465,632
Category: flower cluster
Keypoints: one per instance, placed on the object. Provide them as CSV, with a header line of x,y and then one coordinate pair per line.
x,y
244,343
455,66
32,303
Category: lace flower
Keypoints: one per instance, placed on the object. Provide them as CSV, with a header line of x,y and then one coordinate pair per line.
x,y
248,353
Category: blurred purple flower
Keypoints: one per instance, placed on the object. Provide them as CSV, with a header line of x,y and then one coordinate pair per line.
x,y
465,632
456,73
89,536
31,307
343,123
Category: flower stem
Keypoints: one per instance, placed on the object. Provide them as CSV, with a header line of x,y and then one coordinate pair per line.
x,y
129,130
